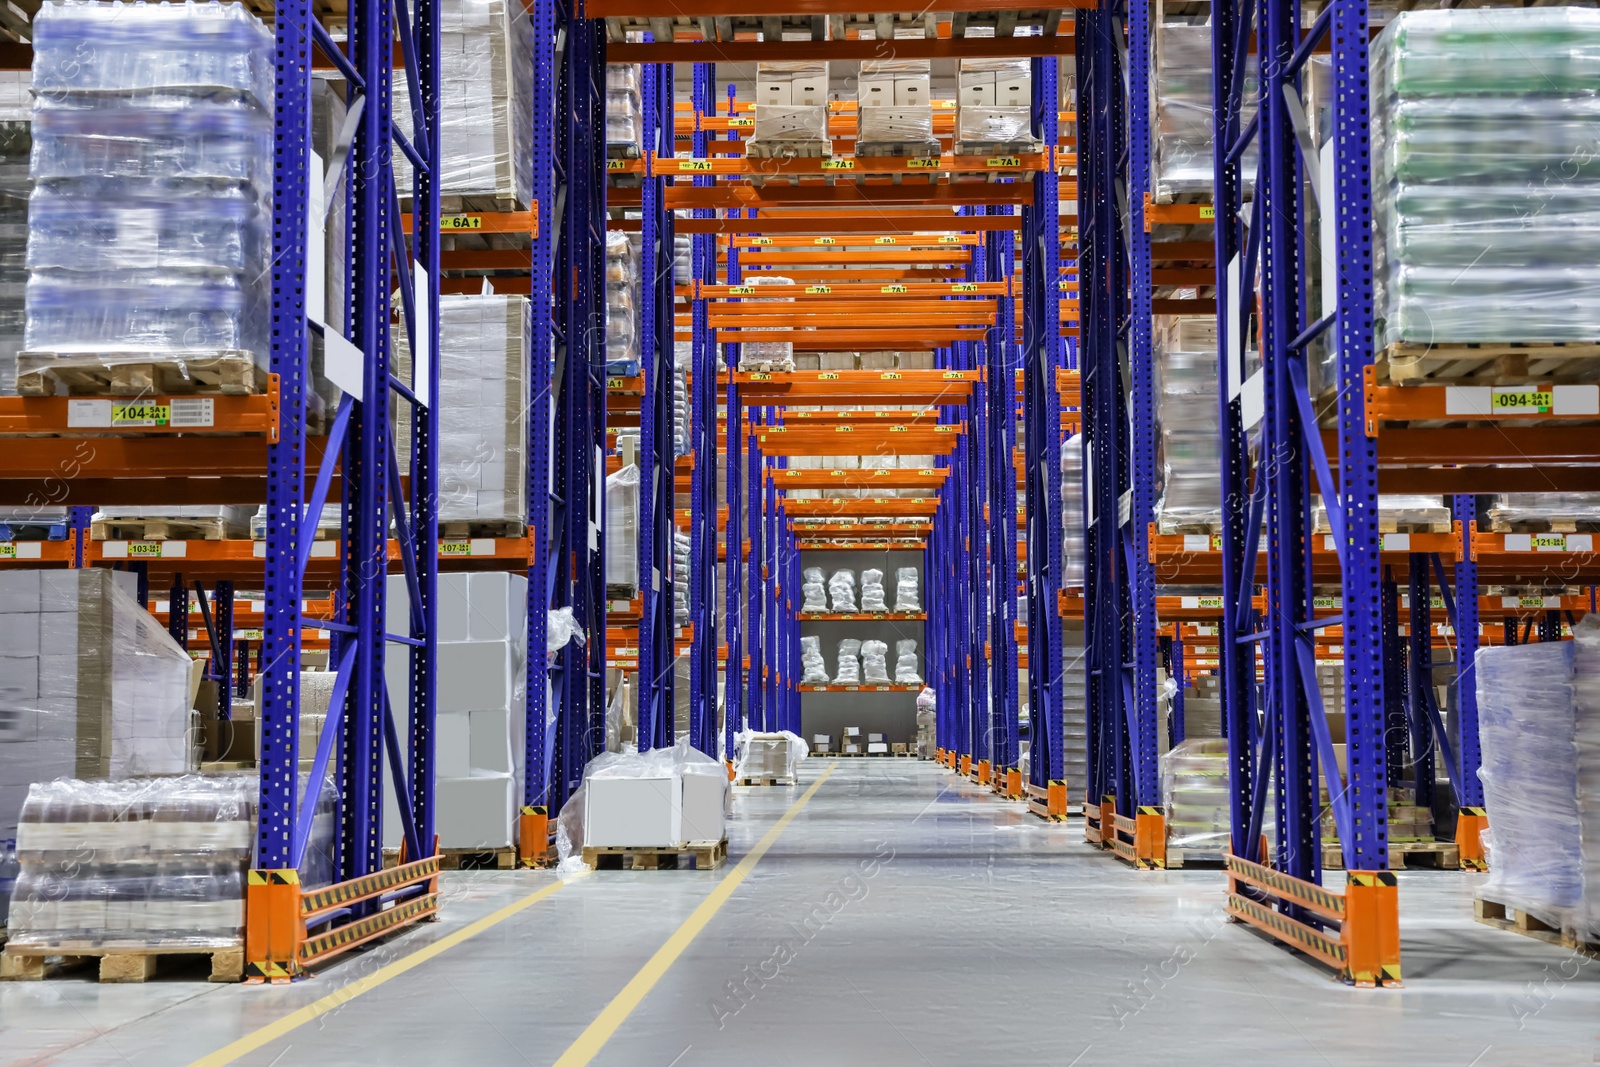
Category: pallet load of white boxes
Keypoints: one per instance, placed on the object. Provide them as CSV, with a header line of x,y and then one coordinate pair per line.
x,y
894,109
637,806
791,111
994,99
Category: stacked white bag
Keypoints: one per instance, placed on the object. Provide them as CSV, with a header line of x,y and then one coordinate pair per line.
x,y
842,588
907,598
849,672
813,670
812,589
905,663
875,662
872,591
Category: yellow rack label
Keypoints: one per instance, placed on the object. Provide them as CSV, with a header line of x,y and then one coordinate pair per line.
x,y
761,240
463,222
144,548
616,383
889,376
883,240
1005,161
949,239
140,414
828,376
964,287
837,474
616,164
952,375
927,471
1549,542
695,164
824,241
838,164
1530,399
893,289
820,290
455,548
8,551
741,290
897,429
1208,213
1530,602
760,376
846,428
741,123
922,163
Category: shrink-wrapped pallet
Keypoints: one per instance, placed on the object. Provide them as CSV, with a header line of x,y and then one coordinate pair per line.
x,y
894,112
150,214
791,110
813,591
1194,789
622,532
872,598
814,669
768,355
875,662
849,669
1182,100
1072,514
16,145
624,113
994,100
842,590
905,662
486,118
906,597
1485,213
1186,376
1543,510
485,352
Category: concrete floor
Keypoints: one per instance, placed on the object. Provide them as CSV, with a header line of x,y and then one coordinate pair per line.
x,y
971,933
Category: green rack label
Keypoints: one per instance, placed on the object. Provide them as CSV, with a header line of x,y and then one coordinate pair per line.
x,y
455,548
140,414
144,548
465,222
695,164
8,551
922,163
838,164
893,289
1529,399
1005,161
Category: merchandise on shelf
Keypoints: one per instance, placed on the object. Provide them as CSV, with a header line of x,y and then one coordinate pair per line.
x,y
145,862
1186,391
791,110
91,686
31,523
767,355
1539,732
624,114
1397,509
485,346
813,668
481,678
485,103
815,593
682,412
1072,529
150,214
1484,213
622,533
1194,789
849,670
769,755
16,145
905,662
1074,712
907,598
994,99
927,721
875,663
842,590
872,598
1182,103
1542,509
622,304
330,519
894,109
227,520
681,566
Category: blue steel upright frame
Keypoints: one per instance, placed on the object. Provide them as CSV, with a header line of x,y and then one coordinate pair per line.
x,y
1001,362
1041,326
703,726
362,724
1290,464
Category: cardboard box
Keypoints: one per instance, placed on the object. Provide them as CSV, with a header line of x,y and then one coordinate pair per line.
x,y
913,90
851,750
852,733
704,807
476,812
633,812
877,748
877,737
899,748
821,740
975,88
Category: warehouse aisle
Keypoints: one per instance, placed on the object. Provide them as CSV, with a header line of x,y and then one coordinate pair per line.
x,y
900,918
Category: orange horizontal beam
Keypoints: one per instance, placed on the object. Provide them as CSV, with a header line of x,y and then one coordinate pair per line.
x,y
916,442
831,294
525,223
875,223
855,387
743,195
803,530
925,166
886,507
58,471
926,478
845,340
142,416
1059,44
843,254
37,553
873,240
864,546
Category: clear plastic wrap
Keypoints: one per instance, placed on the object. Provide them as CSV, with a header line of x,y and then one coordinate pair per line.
x,y
814,669
1194,788
681,568
16,145
1481,201
145,862
622,305
872,598
331,519
875,663
909,129
1400,509
1516,508
622,531
624,123
842,590
927,721
981,128
230,520
1540,772
813,591
907,596
1072,519
662,798
1182,101
905,662
1186,374
767,355
485,354
151,163
769,755
794,129
560,628
486,117
849,670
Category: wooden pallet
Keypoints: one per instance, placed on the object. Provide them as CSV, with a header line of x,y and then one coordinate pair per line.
x,y
1190,529
162,530
756,149
466,859
1489,364
897,150
230,375
1444,855
117,963
1391,526
766,779
705,856
462,531
1504,917
1179,858
1547,525
985,149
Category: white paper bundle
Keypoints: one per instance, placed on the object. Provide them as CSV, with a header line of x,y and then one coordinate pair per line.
x,y
849,672
874,662
812,589
872,591
842,588
905,663
906,596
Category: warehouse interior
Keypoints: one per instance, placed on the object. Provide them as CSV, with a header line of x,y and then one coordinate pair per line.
x,y
557,532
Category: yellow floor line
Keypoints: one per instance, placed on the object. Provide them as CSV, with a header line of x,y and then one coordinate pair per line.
x,y
344,995
593,1039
